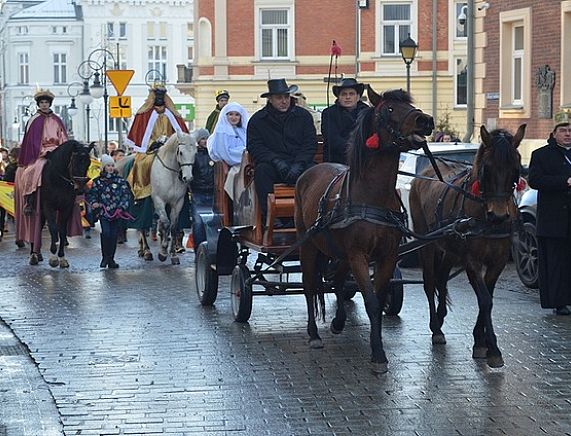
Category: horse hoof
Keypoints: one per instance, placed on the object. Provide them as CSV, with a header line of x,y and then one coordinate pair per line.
x,y
180,250
336,329
63,263
148,255
34,259
175,260
40,257
380,367
20,244
140,253
315,343
438,339
162,257
479,352
53,261
495,361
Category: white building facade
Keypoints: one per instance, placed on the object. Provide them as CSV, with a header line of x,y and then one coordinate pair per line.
x,y
47,42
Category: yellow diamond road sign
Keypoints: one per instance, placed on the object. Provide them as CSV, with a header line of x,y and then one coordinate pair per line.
x,y
120,79
119,106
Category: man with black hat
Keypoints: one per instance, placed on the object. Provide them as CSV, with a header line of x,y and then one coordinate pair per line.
x,y
222,97
550,174
281,139
338,120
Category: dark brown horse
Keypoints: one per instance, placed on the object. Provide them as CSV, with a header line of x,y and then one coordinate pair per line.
x,y
485,193
360,214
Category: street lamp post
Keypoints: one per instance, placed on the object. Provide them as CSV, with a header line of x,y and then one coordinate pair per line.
x,y
96,67
86,98
72,108
407,50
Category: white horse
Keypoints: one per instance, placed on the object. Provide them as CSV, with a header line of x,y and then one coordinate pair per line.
x,y
171,173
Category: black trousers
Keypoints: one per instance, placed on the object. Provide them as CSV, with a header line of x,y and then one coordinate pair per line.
x,y
554,256
265,175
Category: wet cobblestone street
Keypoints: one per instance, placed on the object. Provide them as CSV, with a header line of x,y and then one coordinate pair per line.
x,y
131,351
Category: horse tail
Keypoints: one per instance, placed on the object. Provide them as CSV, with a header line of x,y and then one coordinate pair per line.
x,y
319,301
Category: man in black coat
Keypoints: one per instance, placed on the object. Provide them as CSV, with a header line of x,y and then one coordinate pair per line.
x,y
550,174
339,120
281,140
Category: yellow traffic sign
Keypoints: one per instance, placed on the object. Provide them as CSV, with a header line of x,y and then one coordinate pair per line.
x,y
119,106
120,79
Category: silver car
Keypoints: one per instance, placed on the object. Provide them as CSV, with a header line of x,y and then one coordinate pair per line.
x,y
524,247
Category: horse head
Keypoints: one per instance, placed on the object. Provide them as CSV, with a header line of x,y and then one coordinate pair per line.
x,y
79,164
396,122
496,172
185,155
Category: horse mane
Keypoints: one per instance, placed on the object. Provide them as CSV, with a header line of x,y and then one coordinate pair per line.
x,y
356,150
500,151
60,157
171,143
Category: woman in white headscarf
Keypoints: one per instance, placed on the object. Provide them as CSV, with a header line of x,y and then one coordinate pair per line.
x,y
228,141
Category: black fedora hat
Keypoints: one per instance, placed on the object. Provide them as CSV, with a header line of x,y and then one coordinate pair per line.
x,y
349,83
279,86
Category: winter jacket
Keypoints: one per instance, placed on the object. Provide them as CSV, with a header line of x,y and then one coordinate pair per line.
x,y
112,192
337,123
202,172
289,136
548,173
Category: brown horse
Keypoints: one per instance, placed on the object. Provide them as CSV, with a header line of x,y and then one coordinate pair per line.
x,y
359,214
485,193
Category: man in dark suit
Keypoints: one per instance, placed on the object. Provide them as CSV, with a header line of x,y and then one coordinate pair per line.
x,y
281,139
550,174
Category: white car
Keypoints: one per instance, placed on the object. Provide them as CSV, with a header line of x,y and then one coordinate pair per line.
x,y
415,161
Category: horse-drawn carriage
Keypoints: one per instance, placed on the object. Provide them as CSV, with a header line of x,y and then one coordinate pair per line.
x,y
349,226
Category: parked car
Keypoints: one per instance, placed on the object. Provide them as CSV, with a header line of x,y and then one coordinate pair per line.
x,y
524,247
415,161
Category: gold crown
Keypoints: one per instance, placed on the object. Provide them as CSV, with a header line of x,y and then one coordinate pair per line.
x,y
220,93
560,118
44,94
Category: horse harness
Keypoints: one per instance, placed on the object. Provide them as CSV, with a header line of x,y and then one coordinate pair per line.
x,y
72,180
174,170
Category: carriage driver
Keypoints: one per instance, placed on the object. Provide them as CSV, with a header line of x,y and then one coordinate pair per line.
x,y
281,139
45,131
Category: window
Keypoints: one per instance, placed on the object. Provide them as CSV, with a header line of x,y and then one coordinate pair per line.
x,y
122,57
157,55
515,63
460,77
156,31
189,30
395,26
517,66
114,123
23,68
116,30
189,55
22,30
461,29
60,68
274,33
565,79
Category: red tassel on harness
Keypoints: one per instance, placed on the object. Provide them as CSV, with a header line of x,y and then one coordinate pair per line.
x,y
372,141
475,190
335,50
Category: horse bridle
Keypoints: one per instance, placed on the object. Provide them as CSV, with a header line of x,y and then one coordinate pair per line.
x,y
181,165
383,114
73,180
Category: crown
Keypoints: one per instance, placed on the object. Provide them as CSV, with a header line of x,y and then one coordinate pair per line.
x,y
221,93
562,117
44,94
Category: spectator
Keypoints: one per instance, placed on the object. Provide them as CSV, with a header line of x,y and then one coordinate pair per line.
x,y
301,101
117,154
9,176
550,174
339,120
228,141
202,186
109,199
281,139
222,97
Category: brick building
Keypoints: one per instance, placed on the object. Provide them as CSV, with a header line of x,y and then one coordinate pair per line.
x,y
520,51
241,44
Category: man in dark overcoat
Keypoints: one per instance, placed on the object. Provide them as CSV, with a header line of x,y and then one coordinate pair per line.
x,y
339,119
550,174
281,140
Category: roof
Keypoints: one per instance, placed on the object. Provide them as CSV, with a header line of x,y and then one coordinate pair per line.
x,y
48,9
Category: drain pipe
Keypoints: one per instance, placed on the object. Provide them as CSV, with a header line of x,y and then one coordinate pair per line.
x,y
434,60
470,73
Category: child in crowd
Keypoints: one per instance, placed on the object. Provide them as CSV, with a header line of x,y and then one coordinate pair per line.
x,y
109,198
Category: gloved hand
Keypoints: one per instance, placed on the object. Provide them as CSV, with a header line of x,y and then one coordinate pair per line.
x,y
282,167
295,171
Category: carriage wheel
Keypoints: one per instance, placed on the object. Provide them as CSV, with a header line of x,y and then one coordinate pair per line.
x,y
241,293
524,252
393,304
206,278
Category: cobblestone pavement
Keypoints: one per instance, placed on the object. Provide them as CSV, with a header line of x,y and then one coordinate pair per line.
x,y
131,351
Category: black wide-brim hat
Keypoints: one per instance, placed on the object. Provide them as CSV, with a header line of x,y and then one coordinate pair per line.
x,y
279,86
349,83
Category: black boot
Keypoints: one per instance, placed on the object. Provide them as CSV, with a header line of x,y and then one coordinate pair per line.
x,y
103,263
29,204
111,248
